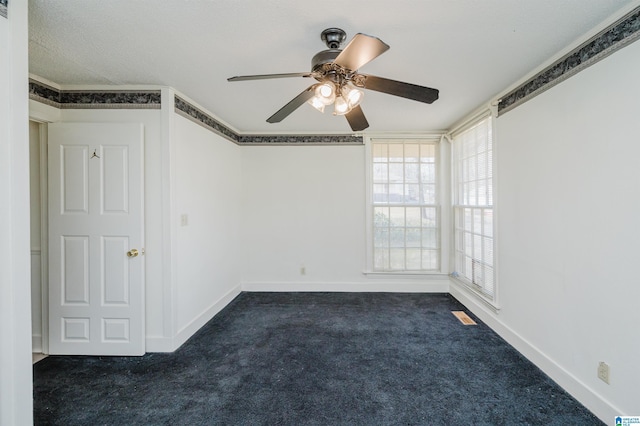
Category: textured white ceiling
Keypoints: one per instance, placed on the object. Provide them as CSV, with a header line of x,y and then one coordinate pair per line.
x,y
468,49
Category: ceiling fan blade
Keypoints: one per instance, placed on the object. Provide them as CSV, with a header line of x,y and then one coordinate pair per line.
x,y
267,76
293,104
398,88
361,50
356,119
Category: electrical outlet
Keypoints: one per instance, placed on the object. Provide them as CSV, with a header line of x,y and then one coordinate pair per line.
x,y
603,371
303,271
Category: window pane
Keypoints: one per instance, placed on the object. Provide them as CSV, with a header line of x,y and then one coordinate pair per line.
x,y
380,193
429,219
482,192
412,173
477,221
468,243
482,165
380,153
465,194
488,222
468,219
413,216
396,152
431,259
411,153
488,251
468,268
490,192
396,193
405,234
427,153
413,237
477,247
380,216
414,259
396,259
380,172
396,237
412,193
396,215
472,155
396,172
381,237
472,195
428,194
429,238
428,172
381,259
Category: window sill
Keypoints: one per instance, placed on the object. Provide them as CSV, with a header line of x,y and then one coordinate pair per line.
x,y
462,287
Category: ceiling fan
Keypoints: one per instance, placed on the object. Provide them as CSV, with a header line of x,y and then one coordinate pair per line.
x,y
339,81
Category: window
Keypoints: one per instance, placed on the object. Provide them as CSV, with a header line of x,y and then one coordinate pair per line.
x,y
404,203
472,155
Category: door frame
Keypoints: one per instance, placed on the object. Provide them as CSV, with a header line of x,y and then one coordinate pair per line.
x,y
44,231
43,115
44,234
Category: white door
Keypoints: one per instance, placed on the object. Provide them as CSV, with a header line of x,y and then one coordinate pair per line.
x,y
96,272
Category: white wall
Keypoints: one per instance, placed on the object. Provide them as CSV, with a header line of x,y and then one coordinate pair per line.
x,y
304,207
568,202
207,186
16,404
192,271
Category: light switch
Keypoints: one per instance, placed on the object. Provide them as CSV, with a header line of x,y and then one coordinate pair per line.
x,y
184,219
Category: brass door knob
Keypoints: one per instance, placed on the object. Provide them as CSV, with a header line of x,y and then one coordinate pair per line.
x,y
132,253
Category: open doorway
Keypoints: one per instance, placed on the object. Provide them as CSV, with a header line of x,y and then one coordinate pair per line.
x,y
38,243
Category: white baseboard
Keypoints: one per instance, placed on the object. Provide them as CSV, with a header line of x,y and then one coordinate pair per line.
x,y
576,388
414,286
36,343
167,344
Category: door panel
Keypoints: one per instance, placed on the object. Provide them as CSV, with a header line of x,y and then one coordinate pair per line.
x,y
96,291
75,270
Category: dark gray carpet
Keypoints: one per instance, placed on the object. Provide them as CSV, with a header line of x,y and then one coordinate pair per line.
x,y
314,359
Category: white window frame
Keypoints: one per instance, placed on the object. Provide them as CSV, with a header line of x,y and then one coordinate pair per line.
x,y
460,275
442,203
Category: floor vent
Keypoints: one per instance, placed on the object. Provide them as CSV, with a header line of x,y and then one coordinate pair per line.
x,y
464,318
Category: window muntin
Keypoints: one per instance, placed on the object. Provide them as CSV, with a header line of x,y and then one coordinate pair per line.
x,y
473,207
404,202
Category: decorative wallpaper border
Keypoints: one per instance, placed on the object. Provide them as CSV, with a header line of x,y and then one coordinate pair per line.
x,y
136,99
151,99
621,33
4,7
200,117
301,140
94,99
42,93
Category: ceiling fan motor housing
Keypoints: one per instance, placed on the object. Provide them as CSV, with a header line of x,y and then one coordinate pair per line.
x,y
324,57
321,63
333,37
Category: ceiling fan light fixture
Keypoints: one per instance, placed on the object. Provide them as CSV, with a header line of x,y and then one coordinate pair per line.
x,y
317,103
339,83
341,106
326,93
353,95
